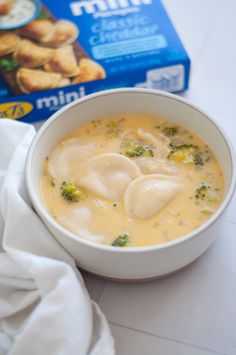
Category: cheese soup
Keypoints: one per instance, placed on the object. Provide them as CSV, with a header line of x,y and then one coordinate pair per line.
x,y
131,180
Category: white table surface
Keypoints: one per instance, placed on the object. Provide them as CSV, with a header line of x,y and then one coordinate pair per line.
x,y
194,311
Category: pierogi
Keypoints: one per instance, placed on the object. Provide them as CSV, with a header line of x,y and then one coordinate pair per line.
x,y
131,180
9,41
30,80
31,55
64,62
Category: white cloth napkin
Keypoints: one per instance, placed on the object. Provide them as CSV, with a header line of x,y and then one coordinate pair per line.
x,y
44,305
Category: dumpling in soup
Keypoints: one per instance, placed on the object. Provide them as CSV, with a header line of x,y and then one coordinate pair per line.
x,y
78,221
147,195
108,175
64,161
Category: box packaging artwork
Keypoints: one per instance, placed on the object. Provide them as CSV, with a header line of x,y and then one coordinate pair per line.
x,y
53,53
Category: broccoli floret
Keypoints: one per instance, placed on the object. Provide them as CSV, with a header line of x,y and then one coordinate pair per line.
x,y
183,153
8,64
201,192
71,192
198,160
52,182
121,241
170,131
186,153
137,149
204,192
44,15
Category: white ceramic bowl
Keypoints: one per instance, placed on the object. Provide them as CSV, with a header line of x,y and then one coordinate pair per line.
x,y
131,263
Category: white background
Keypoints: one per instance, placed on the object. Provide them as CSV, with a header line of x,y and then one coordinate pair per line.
x,y
194,311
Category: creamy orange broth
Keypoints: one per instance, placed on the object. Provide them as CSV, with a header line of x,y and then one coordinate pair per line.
x,y
107,218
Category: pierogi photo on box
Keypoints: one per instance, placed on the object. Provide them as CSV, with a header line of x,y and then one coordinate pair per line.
x,y
44,53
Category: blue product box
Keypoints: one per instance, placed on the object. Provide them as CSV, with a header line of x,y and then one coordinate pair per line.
x,y
53,53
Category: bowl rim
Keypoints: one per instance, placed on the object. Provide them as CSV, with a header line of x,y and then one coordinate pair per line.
x,y
140,249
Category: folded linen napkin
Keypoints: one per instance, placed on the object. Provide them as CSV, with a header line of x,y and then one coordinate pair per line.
x,y
44,305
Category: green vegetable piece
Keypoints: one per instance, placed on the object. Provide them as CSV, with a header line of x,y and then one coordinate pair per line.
x,y
8,64
114,130
112,124
182,146
204,192
113,133
71,192
121,241
137,149
183,153
207,211
44,15
52,182
201,192
96,123
170,131
198,161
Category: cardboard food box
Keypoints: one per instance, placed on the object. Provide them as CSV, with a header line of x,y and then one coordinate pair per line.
x,y
52,53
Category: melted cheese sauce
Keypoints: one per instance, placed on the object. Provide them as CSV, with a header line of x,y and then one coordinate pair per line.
x,y
97,218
